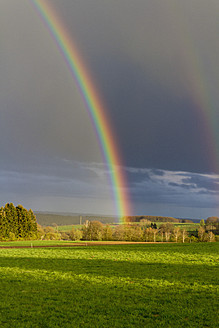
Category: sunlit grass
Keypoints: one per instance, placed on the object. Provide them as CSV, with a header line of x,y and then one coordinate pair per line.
x,y
32,243
162,285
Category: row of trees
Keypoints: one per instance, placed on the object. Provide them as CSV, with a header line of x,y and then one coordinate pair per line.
x,y
208,229
152,218
17,223
211,224
95,230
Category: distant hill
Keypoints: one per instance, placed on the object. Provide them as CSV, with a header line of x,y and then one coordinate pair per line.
x,y
153,218
49,219
195,220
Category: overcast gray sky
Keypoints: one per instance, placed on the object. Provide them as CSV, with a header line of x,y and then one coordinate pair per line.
x,y
155,65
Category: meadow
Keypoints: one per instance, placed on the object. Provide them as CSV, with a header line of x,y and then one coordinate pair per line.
x,y
140,285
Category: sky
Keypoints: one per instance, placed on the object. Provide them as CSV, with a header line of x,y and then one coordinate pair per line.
x,y
155,65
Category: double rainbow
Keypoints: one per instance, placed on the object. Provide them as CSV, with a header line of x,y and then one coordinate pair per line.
x,y
93,104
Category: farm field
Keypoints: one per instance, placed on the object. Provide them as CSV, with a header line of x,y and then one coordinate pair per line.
x,y
187,226
68,228
139,285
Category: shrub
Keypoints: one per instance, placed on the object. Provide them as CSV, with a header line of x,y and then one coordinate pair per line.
x,y
119,233
210,236
11,236
107,233
75,234
92,230
216,238
64,236
193,239
52,236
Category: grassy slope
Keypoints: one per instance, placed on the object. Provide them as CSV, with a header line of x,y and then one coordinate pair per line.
x,y
163,285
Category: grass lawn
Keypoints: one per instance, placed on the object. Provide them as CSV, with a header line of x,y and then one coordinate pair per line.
x,y
67,228
160,285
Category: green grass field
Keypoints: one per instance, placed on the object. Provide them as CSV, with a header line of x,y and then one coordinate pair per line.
x,y
34,243
68,228
160,285
187,226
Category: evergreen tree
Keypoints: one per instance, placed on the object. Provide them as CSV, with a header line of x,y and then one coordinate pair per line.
x,y
11,219
32,223
3,223
17,222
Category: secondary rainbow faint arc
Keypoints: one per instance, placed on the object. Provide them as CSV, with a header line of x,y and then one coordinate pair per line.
x,y
197,82
93,104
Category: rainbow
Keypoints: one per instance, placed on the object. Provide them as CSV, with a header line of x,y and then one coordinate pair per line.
x,y
94,105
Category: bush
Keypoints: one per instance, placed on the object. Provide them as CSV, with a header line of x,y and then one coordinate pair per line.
x,y
193,239
107,233
75,234
11,236
64,236
52,236
49,229
210,236
119,233
93,230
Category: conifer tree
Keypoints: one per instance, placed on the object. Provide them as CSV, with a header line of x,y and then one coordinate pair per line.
x,y
3,223
11,219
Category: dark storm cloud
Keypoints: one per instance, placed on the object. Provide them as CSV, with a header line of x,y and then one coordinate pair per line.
x,y
205,182
158,172
85,184
164,132
135,175
143,62
60,185
173,188
155,65
137,54
42,112
182,185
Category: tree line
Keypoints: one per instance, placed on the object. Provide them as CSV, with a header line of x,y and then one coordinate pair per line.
x,y
167,232
17,223
153,218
